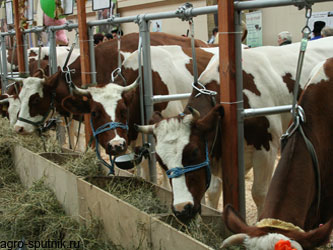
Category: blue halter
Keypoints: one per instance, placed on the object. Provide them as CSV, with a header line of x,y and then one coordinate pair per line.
x,y
179,171
101,129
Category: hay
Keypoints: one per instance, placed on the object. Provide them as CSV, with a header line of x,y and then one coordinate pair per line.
x,y
33,142
34,213
86,164
136,192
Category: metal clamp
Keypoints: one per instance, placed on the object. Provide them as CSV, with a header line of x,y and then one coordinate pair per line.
x,y
300,4
183,10
203,90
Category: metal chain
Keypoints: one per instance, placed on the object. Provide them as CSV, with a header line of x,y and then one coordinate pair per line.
x,y
306,32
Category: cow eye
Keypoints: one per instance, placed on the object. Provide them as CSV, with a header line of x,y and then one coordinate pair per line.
x,y
94,114
123,113
36,99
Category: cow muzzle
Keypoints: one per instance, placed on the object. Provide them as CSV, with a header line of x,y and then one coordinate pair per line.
x,y
20,130
185,211
116,147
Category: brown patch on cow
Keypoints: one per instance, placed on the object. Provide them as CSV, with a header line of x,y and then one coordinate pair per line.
x,y
203,58
249,84
256,132
287,79
328,66
32,53
38,105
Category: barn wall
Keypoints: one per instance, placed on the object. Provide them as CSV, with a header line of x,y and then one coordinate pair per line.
x,y
172,26
289,18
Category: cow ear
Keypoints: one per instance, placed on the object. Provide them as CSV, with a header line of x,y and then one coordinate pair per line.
x,y
234,221
316,237
156,117
76,105
208,122
128,97
53,80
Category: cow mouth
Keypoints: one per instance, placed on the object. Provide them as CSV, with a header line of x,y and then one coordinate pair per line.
x,y
188,214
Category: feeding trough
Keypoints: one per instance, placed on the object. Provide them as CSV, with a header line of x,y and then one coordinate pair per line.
x,y
87,198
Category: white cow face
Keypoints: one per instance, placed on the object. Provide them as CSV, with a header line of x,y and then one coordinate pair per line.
x,y
106,106
13,109
180,142
33,104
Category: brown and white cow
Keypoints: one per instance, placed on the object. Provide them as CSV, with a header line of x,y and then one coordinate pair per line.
x,y
113,103
292,198
37,96
10,102
268,77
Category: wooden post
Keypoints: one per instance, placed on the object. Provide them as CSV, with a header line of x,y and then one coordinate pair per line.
x,y
84,56
228,99
19,37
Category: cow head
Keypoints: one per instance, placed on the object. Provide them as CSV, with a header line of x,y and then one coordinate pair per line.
x,y
267,237
36,98
108,110
181,144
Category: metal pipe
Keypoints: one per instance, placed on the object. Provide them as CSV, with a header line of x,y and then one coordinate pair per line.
x,y
240,108
67,26
25,54
258,4
4,81
266,111
166,98
162,15
8,33
92,54
142,108
148,89
52,52
36,29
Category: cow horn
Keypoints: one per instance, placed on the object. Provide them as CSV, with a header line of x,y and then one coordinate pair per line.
x,y
146,129
132,86
18,79
43,72
195,113
236,239
4,101
80,91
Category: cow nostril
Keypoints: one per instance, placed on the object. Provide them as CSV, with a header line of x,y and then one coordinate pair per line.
x,y
19,129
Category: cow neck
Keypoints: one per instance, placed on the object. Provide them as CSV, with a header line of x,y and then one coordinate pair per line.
x,y
299,120
134,114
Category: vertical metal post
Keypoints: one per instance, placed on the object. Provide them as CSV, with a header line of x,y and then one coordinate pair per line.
x,y
148,90
4,64
25,54
52,52
240,109
92,54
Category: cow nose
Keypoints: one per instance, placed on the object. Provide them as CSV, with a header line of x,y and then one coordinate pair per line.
x,y
19,129
185,211
116,147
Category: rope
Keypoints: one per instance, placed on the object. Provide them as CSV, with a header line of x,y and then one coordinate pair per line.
x,y
194,54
